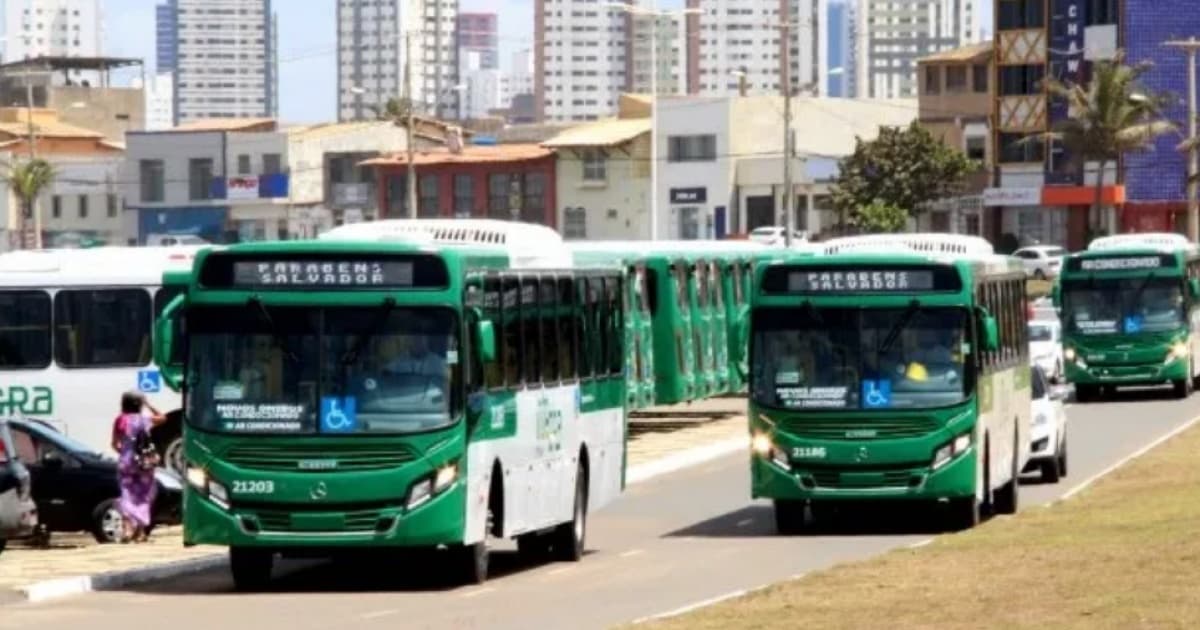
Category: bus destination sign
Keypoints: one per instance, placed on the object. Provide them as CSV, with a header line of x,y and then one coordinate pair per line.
x,y
1128,263
860,281
322,273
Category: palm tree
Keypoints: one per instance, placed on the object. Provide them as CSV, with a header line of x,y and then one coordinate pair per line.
x,y
27,180
395,109
1111,115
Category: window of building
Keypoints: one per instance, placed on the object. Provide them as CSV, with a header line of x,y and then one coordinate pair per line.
x,y
200,175
956,78
1099,12
574,223
1021,80
111,204
980,79
56,207
595,166
464,196
243,165
689,223
1013,149
24,330
1020,14
976,148
150,178
83,206
698,148
272,164
498,189
102,327
427,202
933,79
533,202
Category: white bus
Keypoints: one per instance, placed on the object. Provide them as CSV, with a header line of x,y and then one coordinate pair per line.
x,y
75,332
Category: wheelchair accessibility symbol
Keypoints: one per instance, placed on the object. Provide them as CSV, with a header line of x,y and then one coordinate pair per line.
x,y
338,415
149,381
876,394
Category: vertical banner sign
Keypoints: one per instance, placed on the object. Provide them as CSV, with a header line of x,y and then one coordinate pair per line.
x,y
1066,64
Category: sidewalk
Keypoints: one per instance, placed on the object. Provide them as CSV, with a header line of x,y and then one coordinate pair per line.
x,y
75,563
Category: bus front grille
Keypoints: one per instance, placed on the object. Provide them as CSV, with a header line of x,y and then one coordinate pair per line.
x,y
324,458
850,481
353,521
846,429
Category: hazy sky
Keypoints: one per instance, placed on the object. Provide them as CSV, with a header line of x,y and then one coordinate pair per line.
x,y
308,44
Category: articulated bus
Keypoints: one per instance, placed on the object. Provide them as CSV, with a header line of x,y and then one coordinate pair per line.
x,y
890,368
688,320
414,383
1130,307
75,332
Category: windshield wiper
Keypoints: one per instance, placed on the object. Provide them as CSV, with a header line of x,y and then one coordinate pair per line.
x,y
901,322
1141,289
811,311
280,340
351,355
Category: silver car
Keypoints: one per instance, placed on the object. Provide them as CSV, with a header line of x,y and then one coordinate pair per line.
x,y
18,513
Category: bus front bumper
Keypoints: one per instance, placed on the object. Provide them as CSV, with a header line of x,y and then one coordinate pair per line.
x,y
850,482
436,522
1150,373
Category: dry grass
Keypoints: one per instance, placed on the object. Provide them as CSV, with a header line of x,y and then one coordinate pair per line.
x,y
1122,554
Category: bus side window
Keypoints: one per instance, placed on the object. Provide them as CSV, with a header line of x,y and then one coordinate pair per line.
x,y
24,330
568,336
681,287
714,285
548,317
531,337
583,324
616,327
512,348
597,318
493,373
735,273
104,327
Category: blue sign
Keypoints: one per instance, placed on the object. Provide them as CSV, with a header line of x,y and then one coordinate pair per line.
x,y
338,415
1133,324
1067,23
149,381
876,394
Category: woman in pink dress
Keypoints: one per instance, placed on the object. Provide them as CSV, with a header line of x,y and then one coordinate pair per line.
x,y
135,475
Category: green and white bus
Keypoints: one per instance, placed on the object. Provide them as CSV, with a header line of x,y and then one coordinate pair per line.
x,y
417,384
1130,308
889,368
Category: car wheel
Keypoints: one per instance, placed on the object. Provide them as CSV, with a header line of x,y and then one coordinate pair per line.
x,y
1061,460
108,526
173,456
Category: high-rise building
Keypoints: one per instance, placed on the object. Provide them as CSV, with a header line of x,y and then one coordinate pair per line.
x,y
582,58
518,79
477,32
166,36
226,60
160,100
840,81
891,35
481,91
670,56
371,56
58,28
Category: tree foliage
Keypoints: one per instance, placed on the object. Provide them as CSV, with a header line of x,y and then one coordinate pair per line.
x,y
880,217
903,168
27,180
395,109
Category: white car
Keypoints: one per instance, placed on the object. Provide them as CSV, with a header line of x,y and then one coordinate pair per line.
x,y
1048,441
1045,347
1041,261
773,235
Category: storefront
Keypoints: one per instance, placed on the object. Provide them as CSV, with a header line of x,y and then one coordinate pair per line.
x,y
1052,215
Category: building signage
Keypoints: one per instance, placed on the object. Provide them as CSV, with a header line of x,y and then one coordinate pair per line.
x,y
338,274
993,197
244,187
1066,65
689,195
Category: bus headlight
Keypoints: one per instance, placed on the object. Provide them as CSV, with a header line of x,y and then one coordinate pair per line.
x,y
1178,351
1069,353
761,444
428,486
950,450
199,480
419,493
445,476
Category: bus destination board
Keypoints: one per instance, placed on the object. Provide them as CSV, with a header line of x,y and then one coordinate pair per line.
x,y
321,274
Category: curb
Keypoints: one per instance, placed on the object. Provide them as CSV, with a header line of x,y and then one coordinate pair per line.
x,y
78,585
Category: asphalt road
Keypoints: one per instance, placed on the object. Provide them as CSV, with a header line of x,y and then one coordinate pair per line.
x,y
668,543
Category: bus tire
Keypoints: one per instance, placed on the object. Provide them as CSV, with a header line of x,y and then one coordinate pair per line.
x,y
789,517
570,537
1007,499
1183,386
965,513
1086,393
251,568
472,563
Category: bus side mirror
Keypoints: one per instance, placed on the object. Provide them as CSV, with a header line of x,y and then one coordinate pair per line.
x,y
485,333
990,330
164,343
1194,287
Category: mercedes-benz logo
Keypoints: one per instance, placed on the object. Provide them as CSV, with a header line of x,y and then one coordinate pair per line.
x,y
862,452
318,491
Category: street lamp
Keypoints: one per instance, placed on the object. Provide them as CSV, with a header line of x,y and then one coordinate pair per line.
x,y
656,15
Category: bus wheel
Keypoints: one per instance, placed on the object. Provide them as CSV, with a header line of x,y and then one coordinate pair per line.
x,y
1007,499
965,513
789,517
251,568
472,562
568,538
535,547
1183,387
1086,393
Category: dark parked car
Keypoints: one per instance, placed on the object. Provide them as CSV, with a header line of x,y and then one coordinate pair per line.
x,y
18,512
76,489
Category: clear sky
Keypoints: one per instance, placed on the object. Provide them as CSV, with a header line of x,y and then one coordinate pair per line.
x,y
308,44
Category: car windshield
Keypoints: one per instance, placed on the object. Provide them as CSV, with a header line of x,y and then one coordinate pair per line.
x,y
379,369
872,358
1041,332
1054,252
1096,306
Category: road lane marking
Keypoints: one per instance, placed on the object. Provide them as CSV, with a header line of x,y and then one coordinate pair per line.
x,y
920,543
704,603
745,522
478,591
1125,460
377,614
631,553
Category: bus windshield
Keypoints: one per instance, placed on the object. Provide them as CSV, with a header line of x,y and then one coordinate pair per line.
x,y
1098,306
813,358
257,369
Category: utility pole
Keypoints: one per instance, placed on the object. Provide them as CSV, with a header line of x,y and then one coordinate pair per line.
x,y
1190,46
789,223
411,178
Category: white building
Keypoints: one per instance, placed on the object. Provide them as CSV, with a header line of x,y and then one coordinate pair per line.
x,y
84,202
581,60
670,57
227,65
518,79
53,28
481,91
159,90
890,37
371,55
744,36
